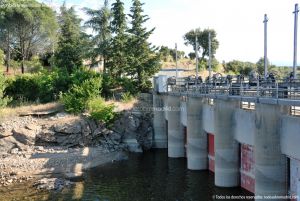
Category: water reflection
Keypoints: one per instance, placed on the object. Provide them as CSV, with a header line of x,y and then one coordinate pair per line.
x,y
150,176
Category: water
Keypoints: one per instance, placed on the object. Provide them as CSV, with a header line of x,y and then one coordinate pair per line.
x,y
149,176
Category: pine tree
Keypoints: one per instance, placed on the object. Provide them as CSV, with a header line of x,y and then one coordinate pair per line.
x,y
69,54
143,60
100,23
117,55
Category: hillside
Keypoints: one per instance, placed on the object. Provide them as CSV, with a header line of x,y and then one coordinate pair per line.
x,y
190,67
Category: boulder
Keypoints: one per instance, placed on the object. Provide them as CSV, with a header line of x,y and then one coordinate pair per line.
x,y
6,144
24,136
14,151
68,128
46,136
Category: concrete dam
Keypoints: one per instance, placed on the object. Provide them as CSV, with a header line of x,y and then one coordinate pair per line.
x,y
247,133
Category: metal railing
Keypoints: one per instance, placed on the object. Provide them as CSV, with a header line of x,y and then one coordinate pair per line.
x,y
282,89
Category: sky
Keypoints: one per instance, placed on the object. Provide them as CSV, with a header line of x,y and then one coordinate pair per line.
x,y
238,23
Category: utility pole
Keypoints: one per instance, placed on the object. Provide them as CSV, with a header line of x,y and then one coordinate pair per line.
x,y
265,46
209,52
176,60
196,51
295,41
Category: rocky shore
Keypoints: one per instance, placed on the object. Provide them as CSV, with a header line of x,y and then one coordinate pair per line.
x,y
55,148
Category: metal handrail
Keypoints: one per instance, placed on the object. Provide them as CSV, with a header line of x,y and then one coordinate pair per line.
x,y
279,89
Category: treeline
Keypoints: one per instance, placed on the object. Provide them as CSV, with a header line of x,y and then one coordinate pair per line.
x,y
33,36
49,50
244,68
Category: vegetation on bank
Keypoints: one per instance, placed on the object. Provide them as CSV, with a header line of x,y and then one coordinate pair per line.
x,y
43,54
50,51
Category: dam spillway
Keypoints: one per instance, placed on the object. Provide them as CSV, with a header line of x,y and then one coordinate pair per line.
x,y
247,135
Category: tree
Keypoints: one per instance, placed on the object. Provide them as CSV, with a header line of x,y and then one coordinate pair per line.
x,y
69,54
261,65
29,28
117,56
164,53
1,58
239,67
167,52
203,44
143,61
180,54
100,23
192,55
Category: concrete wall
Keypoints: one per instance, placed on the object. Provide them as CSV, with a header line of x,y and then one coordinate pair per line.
x,y
208,118
227,173
244,126
270,163
268,131
196,136
290,136
159,123
183,113
176,146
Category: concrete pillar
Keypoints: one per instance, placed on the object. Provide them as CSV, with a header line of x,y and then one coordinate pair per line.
x,y
227,172
196,136
159,122
175,130
270,163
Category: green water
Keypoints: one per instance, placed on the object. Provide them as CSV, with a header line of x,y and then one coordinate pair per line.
x,y
149,176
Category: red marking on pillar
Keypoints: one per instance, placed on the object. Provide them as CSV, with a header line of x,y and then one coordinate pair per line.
x,y
247,168
211,152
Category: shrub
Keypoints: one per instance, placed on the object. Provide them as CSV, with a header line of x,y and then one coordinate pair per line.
x,y
101,111
126,97
45,86
34,65
82,74
4,100
76,98
23,87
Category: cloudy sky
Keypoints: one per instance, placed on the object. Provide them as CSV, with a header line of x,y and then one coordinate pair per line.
x,y
238,23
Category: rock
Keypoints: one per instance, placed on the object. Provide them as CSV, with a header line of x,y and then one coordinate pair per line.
x,y
115,136
60,115
56,184
5,134
39,148
97,132
24,136
14,151
133,146
68,128
33,127
6,144
46,136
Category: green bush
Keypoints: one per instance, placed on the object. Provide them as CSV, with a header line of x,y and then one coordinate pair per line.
x,y
82,74
34,65
4,100
101,111
45,86
126,97
23,87
76,98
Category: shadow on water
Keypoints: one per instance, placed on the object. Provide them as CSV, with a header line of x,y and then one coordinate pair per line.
x,y
149,176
